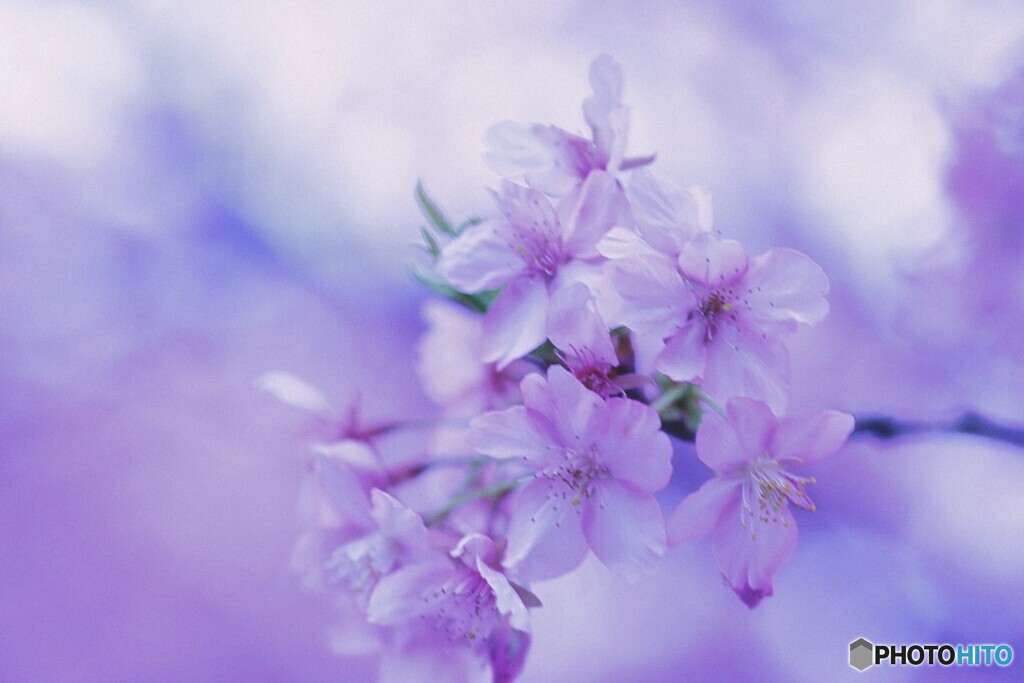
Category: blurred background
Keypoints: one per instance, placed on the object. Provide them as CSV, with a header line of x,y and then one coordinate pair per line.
x,y
193,194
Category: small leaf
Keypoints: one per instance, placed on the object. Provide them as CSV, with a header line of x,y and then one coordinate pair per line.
x,y
435,250
469,223
475,302
432,212
545,354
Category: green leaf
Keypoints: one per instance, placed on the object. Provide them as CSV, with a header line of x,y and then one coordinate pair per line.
x,y
432,245
469,223
432,212
475,302
545,354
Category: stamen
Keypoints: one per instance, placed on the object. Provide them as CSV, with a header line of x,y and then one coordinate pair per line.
x,y
579,475
538,246
465,607
592,372
766,490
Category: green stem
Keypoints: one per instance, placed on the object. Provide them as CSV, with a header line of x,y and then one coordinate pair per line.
x,y
710,402
473,462
495,490
668,398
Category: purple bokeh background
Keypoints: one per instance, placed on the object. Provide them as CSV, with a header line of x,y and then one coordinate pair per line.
x,y
191,196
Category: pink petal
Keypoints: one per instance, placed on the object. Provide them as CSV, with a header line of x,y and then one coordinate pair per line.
x,y
810,439
612,144
508,649
667,216
398,596
545,157
528,210
606,79
625,528
356,454
563,400
701,198
749,560
515,149
713,262
635,162
606,82
344,490
574,271
788,287
295,392
753,423
717,444
647,295
448,358
515,323
474,546
396,519
480,258
622,242
574,324
506,597
545,533
700,512
684,354
745,362
630,443
510,433
592,215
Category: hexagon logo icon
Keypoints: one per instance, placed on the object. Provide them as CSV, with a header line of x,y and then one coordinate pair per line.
x,y
862,654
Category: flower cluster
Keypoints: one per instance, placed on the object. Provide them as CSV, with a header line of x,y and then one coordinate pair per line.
x,y
596,314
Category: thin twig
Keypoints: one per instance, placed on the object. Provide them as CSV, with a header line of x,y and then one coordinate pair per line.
x,y
883,427
496,490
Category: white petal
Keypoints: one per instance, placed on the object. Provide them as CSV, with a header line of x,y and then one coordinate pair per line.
x,y
480,258
506,597
622,242
516,322
294,392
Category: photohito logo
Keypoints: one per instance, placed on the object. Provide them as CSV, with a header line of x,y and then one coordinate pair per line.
x,y
864,654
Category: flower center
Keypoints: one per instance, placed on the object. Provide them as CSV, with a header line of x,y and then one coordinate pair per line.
x,y
358,565
541,251
579,475
716,308
591,371
766,489
465,607
579,156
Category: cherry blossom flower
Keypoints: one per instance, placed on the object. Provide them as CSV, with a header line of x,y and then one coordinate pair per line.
x,y
415,651
639,297
555,161
335,507
746,507
396,536
465,595
582,340
343,435
340,502
717,317
595,464
533,253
